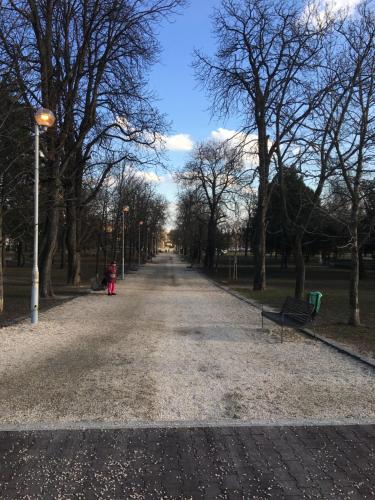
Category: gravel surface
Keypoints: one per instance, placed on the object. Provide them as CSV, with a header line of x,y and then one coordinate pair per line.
x,y
172,346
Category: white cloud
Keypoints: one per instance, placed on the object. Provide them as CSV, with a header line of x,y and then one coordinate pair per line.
x,y
236,138
336,5
249,143
323,10
223,134
151,177
178,142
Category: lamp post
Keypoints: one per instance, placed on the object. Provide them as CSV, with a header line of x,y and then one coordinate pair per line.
x,y
43,118
125,210
140,223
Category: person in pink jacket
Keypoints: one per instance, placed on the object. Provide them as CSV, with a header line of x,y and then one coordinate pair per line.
x,y
111,274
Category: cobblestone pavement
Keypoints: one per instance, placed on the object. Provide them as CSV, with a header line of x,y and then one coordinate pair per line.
x,y
189,463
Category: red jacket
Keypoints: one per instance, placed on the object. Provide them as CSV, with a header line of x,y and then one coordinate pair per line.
x,y
111,273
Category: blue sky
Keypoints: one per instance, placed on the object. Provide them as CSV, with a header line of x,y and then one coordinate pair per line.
x,y
180,98
172,79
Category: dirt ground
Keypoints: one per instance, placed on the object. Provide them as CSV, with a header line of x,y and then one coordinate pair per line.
x,y
172,347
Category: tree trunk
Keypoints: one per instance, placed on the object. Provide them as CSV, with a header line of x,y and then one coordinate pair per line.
x,y
211,244
354,318
131,248
77,267
247,239
362,266
299,289
49,243
260,252
73,193
1,264
62,247
71,240
97,257
20,254
259,283
3,254
115,235
284,259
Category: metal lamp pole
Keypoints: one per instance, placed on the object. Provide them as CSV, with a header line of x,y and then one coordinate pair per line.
x,y
123,247
125,210
43,118
35,271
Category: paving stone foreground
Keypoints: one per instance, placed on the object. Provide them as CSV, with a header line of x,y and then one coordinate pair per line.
x,y
182,463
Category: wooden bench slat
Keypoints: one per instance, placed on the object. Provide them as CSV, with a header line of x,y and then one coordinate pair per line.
x,y
299,310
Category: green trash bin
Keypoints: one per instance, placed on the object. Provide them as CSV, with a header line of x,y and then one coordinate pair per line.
x,y
315,298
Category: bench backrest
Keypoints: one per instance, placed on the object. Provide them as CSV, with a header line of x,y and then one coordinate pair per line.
x,y
298,309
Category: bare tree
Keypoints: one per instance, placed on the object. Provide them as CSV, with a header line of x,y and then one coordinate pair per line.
x,y
347,127
132,190
15,157
266,50
217,170
190,234
86,62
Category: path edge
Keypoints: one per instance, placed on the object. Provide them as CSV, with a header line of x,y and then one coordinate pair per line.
x,y
180,424
310,333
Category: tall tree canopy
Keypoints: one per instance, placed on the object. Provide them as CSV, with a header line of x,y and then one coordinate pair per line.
x,y
263,71
87,62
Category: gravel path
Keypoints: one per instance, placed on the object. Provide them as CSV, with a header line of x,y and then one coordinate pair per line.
x,y
171,346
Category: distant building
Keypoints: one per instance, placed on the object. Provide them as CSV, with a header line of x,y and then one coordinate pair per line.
x,y
165,243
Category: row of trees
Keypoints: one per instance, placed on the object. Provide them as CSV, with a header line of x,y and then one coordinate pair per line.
x,y
302,80
143,221
88,63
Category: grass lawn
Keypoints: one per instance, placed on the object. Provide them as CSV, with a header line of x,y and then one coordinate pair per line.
x,y
17,289
333,283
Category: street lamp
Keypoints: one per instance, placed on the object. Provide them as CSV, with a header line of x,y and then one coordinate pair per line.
x,y
43,118
140,223
125,210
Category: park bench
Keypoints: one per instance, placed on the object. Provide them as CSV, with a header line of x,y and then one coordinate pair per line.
x,y
295,313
